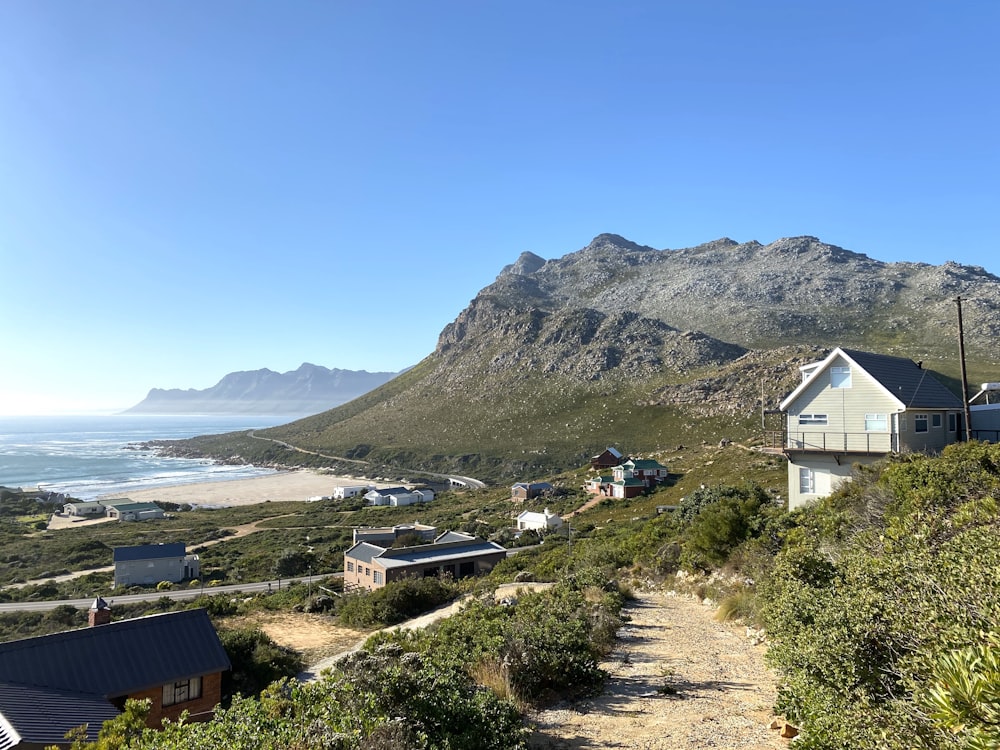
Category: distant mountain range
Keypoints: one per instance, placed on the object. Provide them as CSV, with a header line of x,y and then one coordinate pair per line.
x,y
626,345
308,390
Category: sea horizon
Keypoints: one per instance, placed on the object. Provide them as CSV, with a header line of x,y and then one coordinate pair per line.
x,y
85,456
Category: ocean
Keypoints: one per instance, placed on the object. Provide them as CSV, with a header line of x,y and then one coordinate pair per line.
x,y
87,456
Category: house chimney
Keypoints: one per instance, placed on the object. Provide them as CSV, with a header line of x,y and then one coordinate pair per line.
x,y
100,613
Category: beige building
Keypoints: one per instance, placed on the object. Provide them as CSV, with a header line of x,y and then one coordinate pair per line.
x,y
371,566
855,408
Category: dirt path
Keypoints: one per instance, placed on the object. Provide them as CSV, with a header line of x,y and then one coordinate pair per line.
x,y
678,679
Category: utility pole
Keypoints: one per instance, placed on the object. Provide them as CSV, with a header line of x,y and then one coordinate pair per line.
x,y
965,382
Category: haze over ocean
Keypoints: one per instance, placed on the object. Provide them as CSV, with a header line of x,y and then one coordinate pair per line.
x,y
88,456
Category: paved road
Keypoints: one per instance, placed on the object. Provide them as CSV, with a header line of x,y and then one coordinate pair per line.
x,y
152,596
450,478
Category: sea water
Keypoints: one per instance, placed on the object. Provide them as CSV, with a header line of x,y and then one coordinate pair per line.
x,y
88,456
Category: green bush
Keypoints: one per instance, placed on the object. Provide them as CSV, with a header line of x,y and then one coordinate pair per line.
x,y
257,661
875,630
395,602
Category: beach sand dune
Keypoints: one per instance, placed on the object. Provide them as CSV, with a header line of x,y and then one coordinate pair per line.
x,y
284,486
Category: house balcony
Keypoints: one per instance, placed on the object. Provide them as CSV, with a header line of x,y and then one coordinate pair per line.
x,y
869,443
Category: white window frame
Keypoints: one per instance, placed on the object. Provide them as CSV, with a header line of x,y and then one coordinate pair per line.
x,y
871,420
377,576
814,420
840,377
807,481
917,419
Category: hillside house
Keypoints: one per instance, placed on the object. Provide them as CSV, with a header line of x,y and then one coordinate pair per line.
x,y
533,520
352,490
984,411
522,491
647,470
91,509
52,683
398,496
386,535
129,511
372,566
628,479
148,564
607,459
855,408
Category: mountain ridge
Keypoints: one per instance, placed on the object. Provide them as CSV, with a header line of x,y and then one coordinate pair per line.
x,y
621,344
309,389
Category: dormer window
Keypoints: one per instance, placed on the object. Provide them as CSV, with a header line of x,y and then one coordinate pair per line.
x,y
840,377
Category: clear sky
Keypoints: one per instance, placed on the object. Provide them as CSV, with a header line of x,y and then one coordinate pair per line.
x,y
189,189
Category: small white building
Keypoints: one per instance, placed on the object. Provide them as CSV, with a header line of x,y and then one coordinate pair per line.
x,y
533,520
398,496
352,490
90,509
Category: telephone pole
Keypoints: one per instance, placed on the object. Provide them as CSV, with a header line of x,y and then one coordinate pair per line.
x,y
965,381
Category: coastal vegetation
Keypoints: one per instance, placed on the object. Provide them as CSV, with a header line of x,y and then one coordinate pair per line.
x,y
880,604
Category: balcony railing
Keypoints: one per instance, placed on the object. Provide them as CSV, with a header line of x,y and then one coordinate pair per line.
x,y
834,442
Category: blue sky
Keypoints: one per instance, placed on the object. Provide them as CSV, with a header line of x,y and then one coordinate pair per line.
x,y
192,189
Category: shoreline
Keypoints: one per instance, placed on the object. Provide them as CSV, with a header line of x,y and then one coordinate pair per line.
x,y
296,485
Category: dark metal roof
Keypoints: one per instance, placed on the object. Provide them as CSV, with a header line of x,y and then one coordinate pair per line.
x,y
43,716
149,552
905,380
364,551
119,658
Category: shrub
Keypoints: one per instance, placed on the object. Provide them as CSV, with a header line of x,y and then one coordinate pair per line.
x,y
257,661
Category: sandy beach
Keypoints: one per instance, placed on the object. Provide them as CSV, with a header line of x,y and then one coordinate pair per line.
x,y
281,487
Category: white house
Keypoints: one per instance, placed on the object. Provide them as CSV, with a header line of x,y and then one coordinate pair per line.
x,y
398,496
544,521
855,408
91,509
339,493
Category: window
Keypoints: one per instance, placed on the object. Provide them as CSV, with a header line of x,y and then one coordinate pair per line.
x,y
840,377
876,423
377,577
350,567
936,421
812,419
368,571
807,481
179,692
952,422
920,423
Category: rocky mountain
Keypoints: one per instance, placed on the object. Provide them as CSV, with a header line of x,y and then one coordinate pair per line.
x,y
308,390
621,344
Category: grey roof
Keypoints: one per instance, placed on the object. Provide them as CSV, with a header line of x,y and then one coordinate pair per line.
x,y
133,507
454,536
437,553
533,485
149,552
43,716
119,658
364,551
911,384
